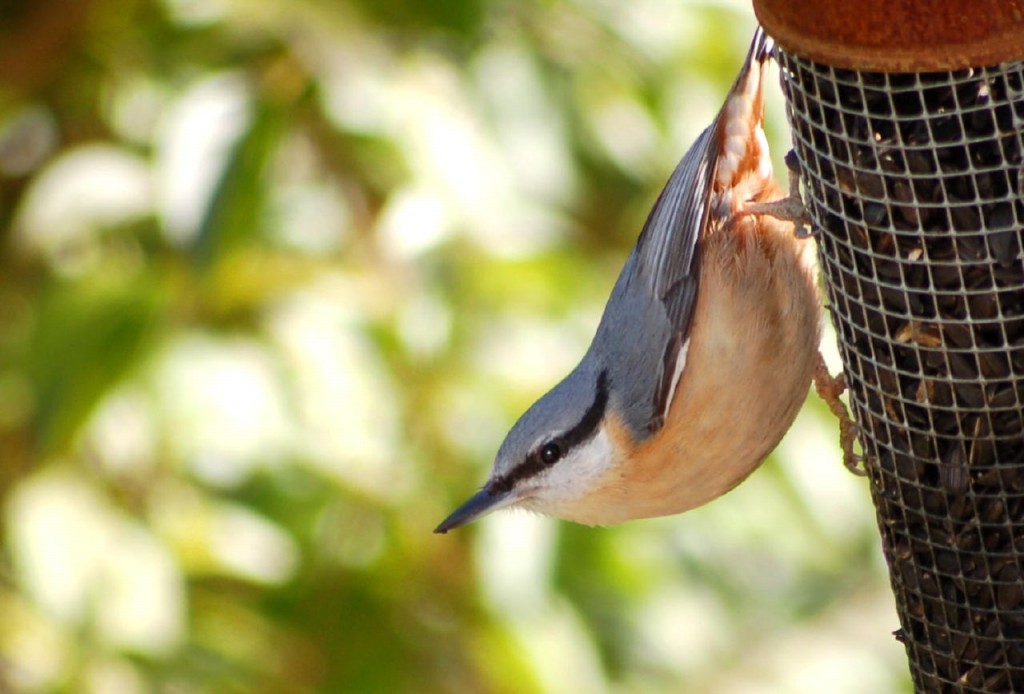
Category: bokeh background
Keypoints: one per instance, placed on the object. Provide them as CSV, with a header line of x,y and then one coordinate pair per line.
x,y
275,278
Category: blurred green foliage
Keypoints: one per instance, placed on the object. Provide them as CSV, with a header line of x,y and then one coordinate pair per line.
x,y
275,278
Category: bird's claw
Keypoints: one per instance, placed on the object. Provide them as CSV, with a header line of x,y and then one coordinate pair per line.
x,y
829,389
790,208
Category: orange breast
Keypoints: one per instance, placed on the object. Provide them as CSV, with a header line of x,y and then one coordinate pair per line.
x,y
753,345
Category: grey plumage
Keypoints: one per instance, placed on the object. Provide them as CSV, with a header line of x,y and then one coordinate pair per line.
x,y
656,289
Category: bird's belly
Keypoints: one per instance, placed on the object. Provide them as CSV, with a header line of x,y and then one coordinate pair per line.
x,y
753,345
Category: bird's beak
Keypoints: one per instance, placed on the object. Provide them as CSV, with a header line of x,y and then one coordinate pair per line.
x,y
480,504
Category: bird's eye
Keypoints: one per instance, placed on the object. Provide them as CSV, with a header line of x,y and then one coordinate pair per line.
x,y
550,453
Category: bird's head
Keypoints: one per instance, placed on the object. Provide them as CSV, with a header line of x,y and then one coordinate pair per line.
x,y
556,458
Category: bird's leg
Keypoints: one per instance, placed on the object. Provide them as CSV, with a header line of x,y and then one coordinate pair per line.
x,y
829,389
790,208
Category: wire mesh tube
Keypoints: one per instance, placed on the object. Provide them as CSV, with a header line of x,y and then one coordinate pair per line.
x,y
915,182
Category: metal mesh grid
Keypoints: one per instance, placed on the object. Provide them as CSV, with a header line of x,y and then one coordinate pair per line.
x,y
916,183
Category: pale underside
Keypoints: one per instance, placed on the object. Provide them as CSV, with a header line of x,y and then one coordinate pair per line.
x,y
755,335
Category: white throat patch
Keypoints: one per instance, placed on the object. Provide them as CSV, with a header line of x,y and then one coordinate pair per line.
x,y
573,477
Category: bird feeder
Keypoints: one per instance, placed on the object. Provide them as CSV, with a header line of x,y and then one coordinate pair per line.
x,y
907,121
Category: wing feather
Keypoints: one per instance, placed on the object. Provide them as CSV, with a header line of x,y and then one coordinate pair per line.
x,y
668,250
667,256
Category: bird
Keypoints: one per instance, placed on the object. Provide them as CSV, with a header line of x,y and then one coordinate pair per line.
x,y
703,355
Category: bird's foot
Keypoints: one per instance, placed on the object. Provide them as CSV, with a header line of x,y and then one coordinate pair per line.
x,y
829,389
790,208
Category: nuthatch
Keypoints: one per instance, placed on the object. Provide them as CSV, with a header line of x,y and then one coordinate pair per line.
x,y
703,356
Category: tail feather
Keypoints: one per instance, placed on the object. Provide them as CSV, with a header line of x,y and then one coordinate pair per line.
x,y
744,168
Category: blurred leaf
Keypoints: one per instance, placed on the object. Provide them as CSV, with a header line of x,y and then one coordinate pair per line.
x,y
460,17
236,214
88,335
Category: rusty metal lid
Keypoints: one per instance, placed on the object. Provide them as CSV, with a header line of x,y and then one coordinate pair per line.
x,y
897,35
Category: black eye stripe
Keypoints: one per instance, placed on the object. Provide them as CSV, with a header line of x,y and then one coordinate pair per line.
x,y
591,418
566,442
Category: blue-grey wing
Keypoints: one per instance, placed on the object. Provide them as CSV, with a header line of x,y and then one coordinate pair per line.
x,y
667,257
645,331
667,248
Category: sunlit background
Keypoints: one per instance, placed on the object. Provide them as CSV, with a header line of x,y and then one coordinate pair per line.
x,y
276,276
